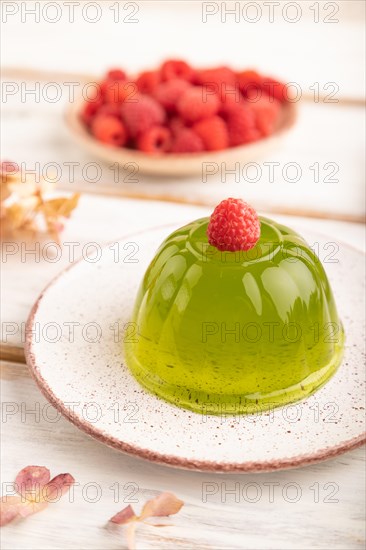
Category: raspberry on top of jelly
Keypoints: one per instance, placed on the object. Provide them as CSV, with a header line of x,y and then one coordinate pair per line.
x,y
234,225
267,247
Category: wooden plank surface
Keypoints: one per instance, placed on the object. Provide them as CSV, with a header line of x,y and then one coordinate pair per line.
x,y
328,512
319,170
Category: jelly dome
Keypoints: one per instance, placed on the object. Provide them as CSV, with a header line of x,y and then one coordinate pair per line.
x,y
235,332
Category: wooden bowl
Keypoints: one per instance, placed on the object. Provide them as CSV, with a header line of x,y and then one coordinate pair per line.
x,y
183,164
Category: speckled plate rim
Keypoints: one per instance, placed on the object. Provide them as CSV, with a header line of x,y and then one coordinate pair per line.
x,y
300,460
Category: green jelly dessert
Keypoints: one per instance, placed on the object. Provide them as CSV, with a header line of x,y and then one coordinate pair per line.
x,y
226,332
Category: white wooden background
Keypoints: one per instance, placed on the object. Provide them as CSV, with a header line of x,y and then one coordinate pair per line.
x,y
308,53
220,523
304,52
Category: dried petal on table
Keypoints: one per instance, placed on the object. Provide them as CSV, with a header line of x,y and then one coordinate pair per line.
x,y
35,491
26,205
124,516
165,504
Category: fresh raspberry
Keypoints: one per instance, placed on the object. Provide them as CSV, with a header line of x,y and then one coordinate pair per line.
x,y
187,141
241,125
265,126
169,92
116,91
147,81
213,132
155,140
103,87
176,124
234,225
95,92
116,74
253,134
175,68
206,109
196,103
250,83
140,115
266,112
108,129
216,77
275,89
89,110
230,97
112,109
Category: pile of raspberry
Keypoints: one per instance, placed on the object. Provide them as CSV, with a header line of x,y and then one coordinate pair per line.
x,y
179,109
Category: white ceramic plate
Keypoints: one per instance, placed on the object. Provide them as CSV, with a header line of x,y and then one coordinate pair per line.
x,y
80,368
177,164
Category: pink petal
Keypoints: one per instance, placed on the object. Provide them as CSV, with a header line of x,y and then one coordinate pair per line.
x,y
32,507
13,507
30,481
9,166
57,487
130,534
164,504
124,516
9,509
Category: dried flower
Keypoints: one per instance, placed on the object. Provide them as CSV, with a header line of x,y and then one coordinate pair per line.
x,y
27,205
165,504
35,491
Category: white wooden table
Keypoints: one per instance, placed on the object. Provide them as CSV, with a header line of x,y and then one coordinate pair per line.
x,y
316,520
319,171
320,506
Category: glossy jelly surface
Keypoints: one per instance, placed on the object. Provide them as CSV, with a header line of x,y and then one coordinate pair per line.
x,y
234,332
